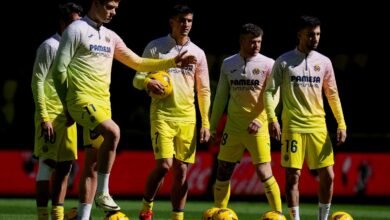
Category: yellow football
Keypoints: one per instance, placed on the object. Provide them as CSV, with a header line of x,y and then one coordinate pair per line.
x,y
272,215
340,215
225,214
116,216
71,214
165,79
208,214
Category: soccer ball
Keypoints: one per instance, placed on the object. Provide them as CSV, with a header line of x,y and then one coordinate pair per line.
x,y
71,214
208,214
225,214
340,215
165,79
272,215
116,215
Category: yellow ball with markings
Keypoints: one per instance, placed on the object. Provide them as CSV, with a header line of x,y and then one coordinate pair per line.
x,y
165,79
340,215
272,215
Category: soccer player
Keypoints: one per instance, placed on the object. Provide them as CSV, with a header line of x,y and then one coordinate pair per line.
x,y
173,119
241,86
302,75
82,75
55,140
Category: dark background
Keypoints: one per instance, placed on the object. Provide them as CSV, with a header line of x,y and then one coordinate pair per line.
x,y
353,37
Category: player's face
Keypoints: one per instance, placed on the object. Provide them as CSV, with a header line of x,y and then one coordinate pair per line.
x,y
181,25
309,38
106,11
250,45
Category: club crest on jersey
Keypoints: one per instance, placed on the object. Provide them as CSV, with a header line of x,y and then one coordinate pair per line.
x,y
107,39
256,71
317,68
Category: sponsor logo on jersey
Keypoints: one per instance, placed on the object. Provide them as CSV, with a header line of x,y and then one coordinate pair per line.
x,y
99,48
312,79
245,84
306,81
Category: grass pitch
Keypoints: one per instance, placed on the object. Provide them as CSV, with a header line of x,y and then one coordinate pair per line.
x,y
24,209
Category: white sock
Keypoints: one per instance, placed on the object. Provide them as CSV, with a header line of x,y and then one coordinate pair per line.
x,y
102,184
323,211
294,213
84,211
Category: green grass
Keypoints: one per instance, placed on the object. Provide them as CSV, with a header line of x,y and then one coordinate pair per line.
x,y
24,209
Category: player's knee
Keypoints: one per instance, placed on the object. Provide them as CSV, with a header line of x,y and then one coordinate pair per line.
x,y
44,171
225,170
326,175
264,171
64,168
112,132
180,170
292,178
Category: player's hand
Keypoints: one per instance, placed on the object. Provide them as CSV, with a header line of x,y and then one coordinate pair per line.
x,y
274,130
155,86
341,136
47,131
183,60
254,127
204,135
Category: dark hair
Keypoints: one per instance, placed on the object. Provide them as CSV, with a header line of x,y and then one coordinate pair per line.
x,y
180,9
250,28
307,21
65,11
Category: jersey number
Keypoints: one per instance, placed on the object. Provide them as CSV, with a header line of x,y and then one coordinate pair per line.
x,y
224,138
291,145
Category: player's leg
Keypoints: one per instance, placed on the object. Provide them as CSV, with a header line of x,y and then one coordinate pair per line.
x,y
292,192
184,151
162,133
259,147
179,189
65,139
88,178
59,188
230,153
325,193
43,188
320,158
292,158
222,183
97,117
47,156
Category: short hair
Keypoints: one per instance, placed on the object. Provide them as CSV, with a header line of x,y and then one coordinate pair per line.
x,y
250,28
180,9
307,21
65,10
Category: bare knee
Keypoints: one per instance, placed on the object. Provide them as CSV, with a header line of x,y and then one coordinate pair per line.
x,y
163,166
225,170
326,175
264,171
110,132
180,169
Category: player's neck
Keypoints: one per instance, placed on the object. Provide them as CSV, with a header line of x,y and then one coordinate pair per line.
x,y
181,40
